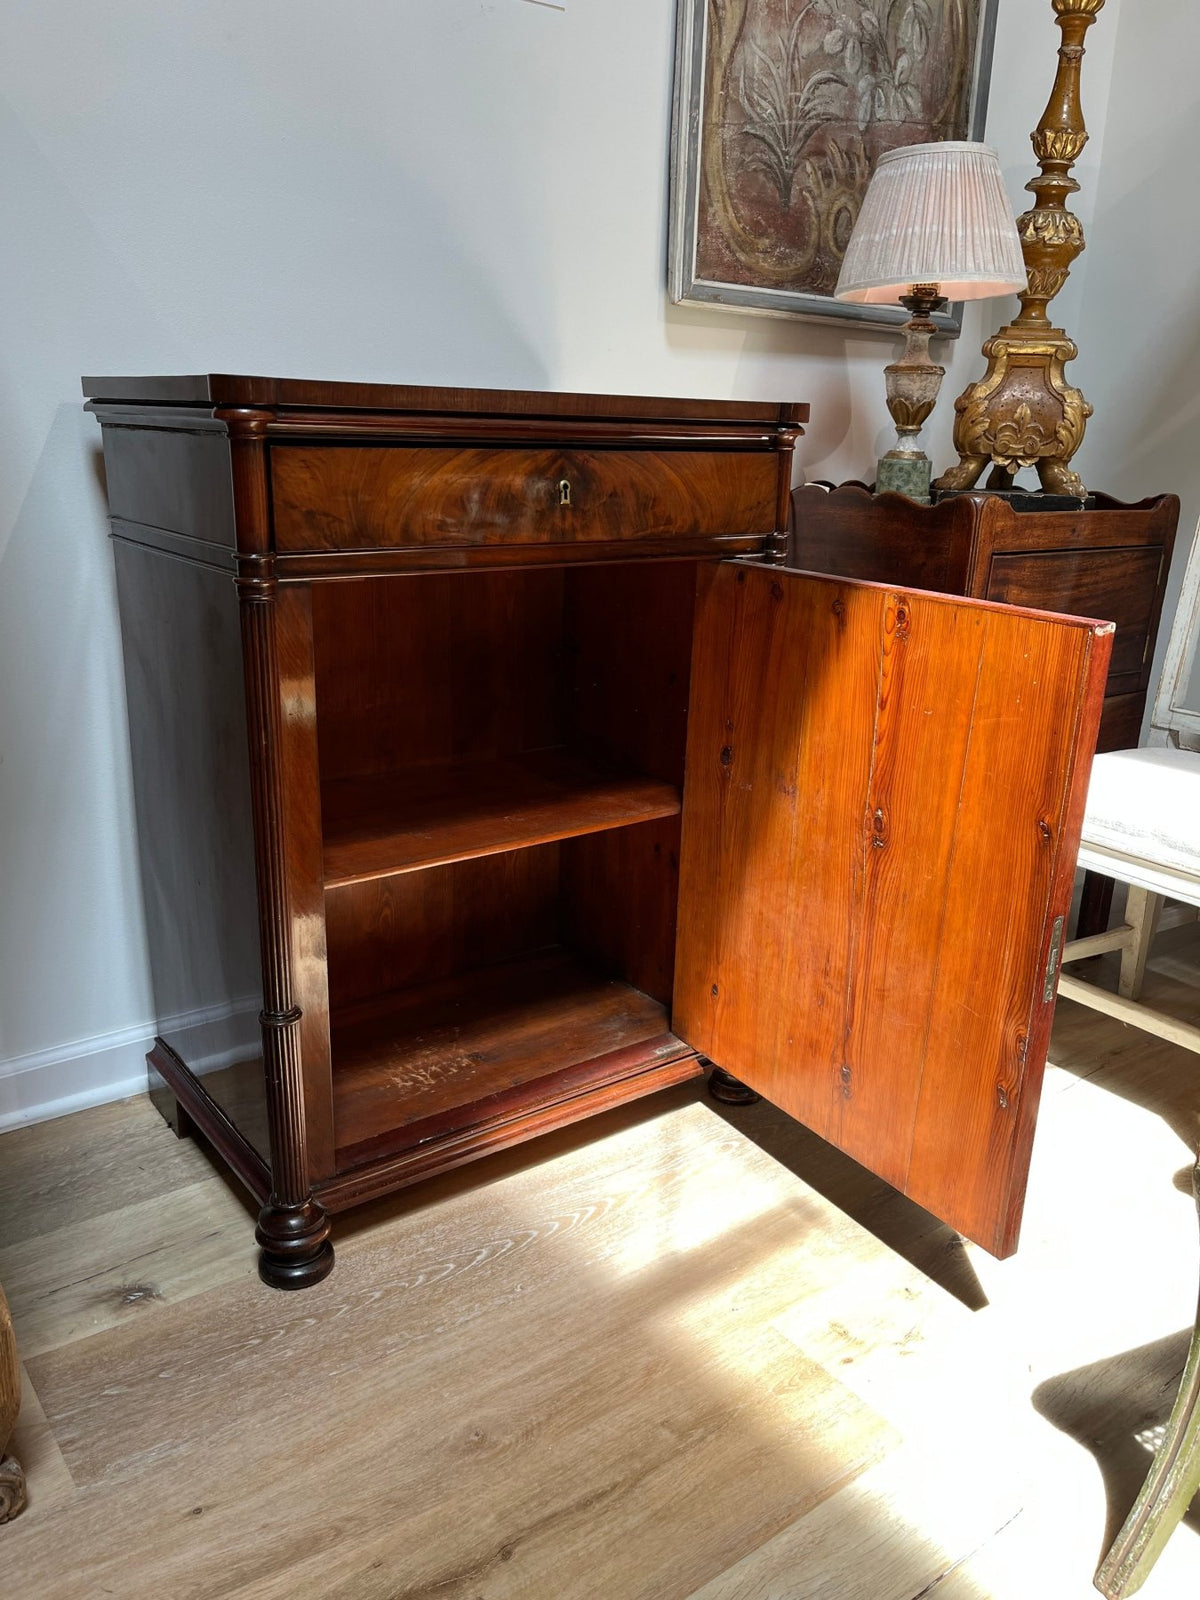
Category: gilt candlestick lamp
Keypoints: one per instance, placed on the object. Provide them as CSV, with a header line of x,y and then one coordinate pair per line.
x,y
935,225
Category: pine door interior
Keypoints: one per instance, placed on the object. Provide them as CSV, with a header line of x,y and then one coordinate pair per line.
x,y
881,816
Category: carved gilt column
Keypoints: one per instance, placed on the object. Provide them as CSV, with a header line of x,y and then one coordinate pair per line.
x,y
1023,412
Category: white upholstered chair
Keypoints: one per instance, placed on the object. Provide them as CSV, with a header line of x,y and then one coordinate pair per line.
x,y
1142,826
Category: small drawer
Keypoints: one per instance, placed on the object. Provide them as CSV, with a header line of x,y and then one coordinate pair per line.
x,y
1118,586
371,497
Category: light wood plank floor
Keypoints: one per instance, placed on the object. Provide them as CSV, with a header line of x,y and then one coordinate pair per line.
x,y
676,1353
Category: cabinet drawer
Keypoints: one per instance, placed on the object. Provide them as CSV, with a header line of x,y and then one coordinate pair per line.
x,y
1119,586
366,497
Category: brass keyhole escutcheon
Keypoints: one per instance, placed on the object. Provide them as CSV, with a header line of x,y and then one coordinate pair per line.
x,y
564,492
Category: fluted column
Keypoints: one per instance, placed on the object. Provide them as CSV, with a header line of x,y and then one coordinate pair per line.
x,y
293,1228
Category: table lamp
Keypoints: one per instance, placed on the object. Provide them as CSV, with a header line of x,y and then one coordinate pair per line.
x,y
935,225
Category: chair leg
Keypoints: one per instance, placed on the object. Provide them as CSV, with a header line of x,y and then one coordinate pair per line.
x,y
1141,913
12,1479
13,1498
1170,1487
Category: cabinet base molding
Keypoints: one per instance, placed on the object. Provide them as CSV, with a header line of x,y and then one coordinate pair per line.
x,y
182,1102
456,1148
186,1107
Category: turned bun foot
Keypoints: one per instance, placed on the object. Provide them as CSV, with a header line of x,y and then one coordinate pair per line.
x,y
12,1489
294,1243
730,1091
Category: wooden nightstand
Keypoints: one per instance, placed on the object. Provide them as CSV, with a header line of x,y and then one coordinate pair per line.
x,y
1111,561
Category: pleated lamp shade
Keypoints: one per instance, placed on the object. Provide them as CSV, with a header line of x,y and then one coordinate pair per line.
x,y
933,214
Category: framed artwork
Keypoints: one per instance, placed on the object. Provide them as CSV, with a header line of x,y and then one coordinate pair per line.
x,y
781,109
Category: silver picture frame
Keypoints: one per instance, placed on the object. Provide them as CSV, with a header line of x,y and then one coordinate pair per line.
x,y
684,285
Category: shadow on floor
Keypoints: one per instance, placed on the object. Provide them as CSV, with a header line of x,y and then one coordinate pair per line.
x,y
571,1385
923,1241
1117,1409
915,1235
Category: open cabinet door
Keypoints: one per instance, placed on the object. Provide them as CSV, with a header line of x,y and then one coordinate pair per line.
x,y
881,814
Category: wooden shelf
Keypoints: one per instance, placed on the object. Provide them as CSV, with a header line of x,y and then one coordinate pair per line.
x,y
486,1046
426,817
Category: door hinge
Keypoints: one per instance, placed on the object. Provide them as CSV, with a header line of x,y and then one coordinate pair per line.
x,y
1052,960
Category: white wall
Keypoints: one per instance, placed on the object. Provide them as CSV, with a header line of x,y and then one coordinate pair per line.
x,y
429,191
1139,326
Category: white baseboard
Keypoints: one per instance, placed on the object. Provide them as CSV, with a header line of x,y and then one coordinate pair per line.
x,y
111,1066
70,1077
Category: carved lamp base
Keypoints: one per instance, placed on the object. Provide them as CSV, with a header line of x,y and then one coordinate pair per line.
x,y
1022,413
912,383
907,473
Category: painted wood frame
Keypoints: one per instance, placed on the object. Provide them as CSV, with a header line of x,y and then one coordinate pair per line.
x,y
697,23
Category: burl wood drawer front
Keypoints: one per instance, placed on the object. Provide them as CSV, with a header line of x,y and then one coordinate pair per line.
x,y
1118,586
359,498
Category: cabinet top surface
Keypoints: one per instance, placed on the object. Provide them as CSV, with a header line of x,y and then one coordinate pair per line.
x,y
228,389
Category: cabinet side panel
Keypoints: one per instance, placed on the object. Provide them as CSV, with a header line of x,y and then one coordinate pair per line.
x,y
187,722
175,480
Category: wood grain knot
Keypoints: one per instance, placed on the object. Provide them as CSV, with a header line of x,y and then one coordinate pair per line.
x,y
879,829
1046,831
726,755
137,1294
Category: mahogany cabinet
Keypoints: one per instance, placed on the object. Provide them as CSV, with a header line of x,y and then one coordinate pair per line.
x,y
492,769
